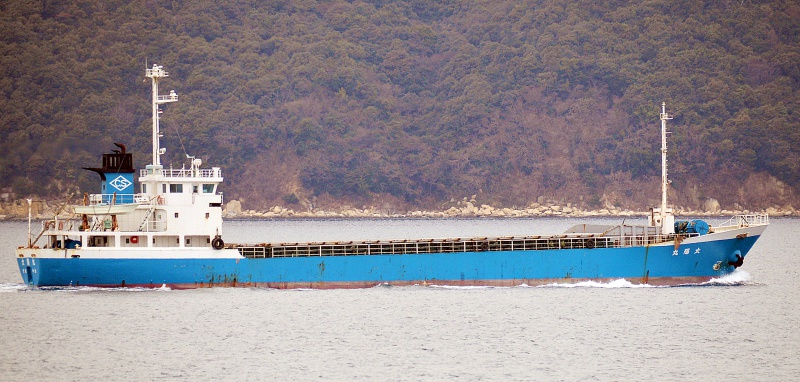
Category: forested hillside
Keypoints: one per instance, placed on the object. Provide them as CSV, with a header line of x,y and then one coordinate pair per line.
x,y
412,102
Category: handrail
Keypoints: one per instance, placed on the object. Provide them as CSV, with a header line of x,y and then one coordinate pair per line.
x,y
168,97
153,226
426,246
185,173
746,220
95,199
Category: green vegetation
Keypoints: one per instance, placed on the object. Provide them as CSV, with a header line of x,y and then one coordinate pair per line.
x,y
414,101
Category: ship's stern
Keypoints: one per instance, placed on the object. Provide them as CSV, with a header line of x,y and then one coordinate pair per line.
x,y
28,269
44,267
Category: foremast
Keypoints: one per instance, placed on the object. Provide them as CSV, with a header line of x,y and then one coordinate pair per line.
x,y
662,216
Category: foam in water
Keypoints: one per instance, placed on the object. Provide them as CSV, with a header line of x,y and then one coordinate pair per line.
x,y
737,277
90,289
618,283
12,287
465,286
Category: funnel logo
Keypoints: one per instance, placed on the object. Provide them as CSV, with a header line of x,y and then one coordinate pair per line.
x,y
120,183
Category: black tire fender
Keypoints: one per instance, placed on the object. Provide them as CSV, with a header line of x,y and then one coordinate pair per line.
x,y
217,243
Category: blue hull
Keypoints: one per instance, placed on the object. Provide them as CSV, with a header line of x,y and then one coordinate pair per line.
x,y
657,264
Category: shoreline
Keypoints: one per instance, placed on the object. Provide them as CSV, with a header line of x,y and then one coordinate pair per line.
x,y
233,211
254,215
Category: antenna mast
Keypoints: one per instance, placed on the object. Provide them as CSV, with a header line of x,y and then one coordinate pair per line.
x,y
664,181
662,215
156,73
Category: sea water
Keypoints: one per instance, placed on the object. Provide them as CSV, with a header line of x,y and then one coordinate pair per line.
x,y
741,327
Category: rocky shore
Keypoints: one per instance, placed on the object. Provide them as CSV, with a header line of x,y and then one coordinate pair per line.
x,y
233,210
18,210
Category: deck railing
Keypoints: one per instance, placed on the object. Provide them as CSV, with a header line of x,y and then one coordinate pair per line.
x,y
529,243
95,199
153,226
186,173
747,220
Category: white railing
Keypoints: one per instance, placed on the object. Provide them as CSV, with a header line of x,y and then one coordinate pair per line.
x,y
153,226
168,98
95,199
184,173
747,220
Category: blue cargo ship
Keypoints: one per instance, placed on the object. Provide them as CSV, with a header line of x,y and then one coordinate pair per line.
x,y
170,234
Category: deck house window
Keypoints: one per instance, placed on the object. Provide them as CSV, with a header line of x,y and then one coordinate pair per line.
x,y
176,188
208,188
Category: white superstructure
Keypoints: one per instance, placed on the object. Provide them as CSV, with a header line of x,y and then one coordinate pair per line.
x,y
174,208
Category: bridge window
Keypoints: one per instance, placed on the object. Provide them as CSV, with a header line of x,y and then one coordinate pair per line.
x,y
176,188
208,188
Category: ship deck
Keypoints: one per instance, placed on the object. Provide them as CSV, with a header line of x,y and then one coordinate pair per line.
x,y
450,245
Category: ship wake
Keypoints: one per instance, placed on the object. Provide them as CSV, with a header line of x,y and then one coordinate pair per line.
x,y
737,277
613,284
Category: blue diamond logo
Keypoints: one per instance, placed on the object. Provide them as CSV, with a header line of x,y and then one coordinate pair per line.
x,y
120,183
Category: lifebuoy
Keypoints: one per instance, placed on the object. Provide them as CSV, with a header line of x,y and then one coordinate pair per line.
x,y
60,225
484,246
160,199
589,243
134,239
217,243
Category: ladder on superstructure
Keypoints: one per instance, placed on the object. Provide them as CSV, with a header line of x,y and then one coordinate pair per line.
x,y
147,215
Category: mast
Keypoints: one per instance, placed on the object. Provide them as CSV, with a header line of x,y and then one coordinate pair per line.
x,y
664,181
156,73
30,234
662,216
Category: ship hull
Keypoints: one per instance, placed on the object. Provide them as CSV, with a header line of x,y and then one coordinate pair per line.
x,y
695,260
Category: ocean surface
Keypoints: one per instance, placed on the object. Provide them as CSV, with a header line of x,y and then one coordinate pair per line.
x,y
745,327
